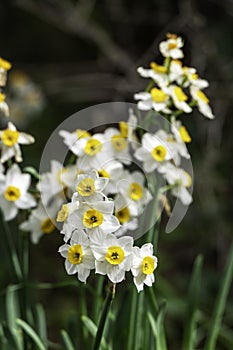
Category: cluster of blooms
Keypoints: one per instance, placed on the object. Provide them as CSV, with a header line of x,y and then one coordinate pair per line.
x,y
99,197
4,67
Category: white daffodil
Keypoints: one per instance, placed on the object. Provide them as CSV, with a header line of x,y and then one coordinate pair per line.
x,y
156,72
113,255
3,105
154,153
132,188
172,47
176,71
193,78
63,217
117,145
95,217
181,181
112,170
4,67
51,183
91,149
78,255
182,137
202,102
144,264
156,99
10,141
123,214
41,222
90,187
179,98
68,178
127,129
14,193
75,140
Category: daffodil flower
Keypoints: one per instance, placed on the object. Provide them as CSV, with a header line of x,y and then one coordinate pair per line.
x,y
10,139
172,47
156,99
202,102
75,140
143,265
113,255
90,187
78,255
14,193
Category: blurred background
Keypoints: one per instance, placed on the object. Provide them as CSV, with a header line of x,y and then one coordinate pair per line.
x,y
68,55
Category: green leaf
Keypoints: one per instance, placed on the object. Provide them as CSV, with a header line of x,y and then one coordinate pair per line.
x,y
31,333
158,327
92,328
191,311
66,340
32,171
41,323
220,303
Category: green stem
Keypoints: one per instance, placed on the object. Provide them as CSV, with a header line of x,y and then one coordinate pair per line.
x,y
104,315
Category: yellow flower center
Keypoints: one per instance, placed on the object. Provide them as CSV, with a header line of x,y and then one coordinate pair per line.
x,y
184,134
124,129
189,180
82,133
194,76
2,97
86,187
12,193
135,191
92,218
119,143
172,45
157,68
158,95
159,153
148,265
123,215
93,146
203,97
4,64
180,95
103,173
10,137
115,255
47,226
63,213
75,254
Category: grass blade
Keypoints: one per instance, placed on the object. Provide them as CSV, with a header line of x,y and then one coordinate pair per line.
x,y
41,323
220,303
66,340
31,333
191,312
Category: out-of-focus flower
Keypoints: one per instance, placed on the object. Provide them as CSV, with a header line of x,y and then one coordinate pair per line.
x,y
14,193
78,255
11,138
179,98
143,266
73,140
3,105
202,101
117,146
180,181
40,223
172,47
156,99
4,67
113,255
156,72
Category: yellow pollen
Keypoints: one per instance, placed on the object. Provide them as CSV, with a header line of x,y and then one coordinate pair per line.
x,y
103,173
203,97
63,213
92,218
135,191
184,134
159,153
119,143
180,95
158,95
12,193
93,146
10,137
123,215
82,133
148,265
2,97
86,187
172,46
4,64
47,226
115,255
157,68
75,254
124,129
